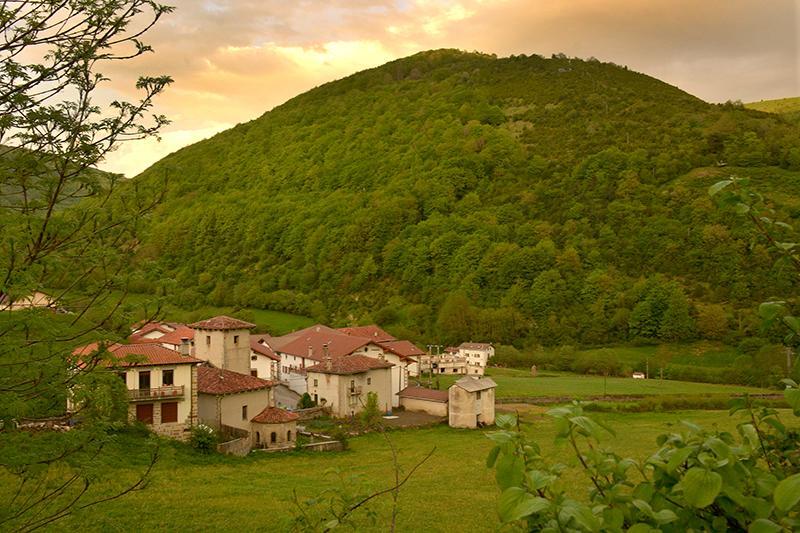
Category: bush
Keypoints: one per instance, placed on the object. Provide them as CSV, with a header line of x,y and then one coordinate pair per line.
x,y
340,434
305,401
204,439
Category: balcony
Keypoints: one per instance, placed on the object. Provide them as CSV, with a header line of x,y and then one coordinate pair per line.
x,y
354,391
157,393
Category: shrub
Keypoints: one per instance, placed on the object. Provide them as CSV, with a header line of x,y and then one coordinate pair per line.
x,y
340,434
305,401
204,439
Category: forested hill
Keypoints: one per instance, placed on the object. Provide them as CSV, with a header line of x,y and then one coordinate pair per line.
x,y
451,195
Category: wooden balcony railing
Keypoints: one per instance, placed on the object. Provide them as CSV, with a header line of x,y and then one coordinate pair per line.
x,y
156,393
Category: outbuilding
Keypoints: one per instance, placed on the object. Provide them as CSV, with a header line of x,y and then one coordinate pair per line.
x,y
431,401
471,402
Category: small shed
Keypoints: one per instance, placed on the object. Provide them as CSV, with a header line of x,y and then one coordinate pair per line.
x,y
431,401
471,402
274,428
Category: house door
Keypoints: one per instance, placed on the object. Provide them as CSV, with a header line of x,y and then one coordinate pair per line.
x,y
144,413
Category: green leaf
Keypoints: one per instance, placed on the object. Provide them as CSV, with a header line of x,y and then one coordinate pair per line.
x,y
762,525
679,457
640,528
718,186
793,399
516,504
787,493
510,470
505,421
771,310
719,448
500,437
665,516
539,480
793,322
700,487
492,457
742,208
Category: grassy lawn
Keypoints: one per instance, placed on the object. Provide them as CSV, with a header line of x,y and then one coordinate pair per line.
x,y
781,105
513,383
453,492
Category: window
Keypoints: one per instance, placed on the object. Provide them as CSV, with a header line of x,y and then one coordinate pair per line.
x,y
254,372
369,381
316,382
289,435
273,437
144,380
208,340
236,339
478,395
244,412
144,413
169,412
168,378
258,437
254,358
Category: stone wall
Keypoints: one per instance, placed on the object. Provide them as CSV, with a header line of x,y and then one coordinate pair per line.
x,y
239,447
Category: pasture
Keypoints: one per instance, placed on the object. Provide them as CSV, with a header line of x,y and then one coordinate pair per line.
x,y
454,491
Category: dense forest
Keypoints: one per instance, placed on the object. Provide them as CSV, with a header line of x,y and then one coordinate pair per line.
x,y
453,195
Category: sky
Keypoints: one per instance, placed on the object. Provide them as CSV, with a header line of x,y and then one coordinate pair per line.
x,y
233,60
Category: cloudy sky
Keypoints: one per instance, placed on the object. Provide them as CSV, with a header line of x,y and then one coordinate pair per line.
x,y
232,60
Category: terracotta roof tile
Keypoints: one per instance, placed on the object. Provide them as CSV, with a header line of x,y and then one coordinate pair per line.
x,y
274,415
405,349
311,344
222,322
421,393
145,354
213,380
174,337
262,348
475,345
351,364
370,332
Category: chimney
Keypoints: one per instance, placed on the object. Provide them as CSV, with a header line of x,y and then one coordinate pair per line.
x,y
185,346
327,357
310,351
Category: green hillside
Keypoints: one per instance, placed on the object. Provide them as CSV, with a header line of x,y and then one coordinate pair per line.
x,y
451,195
780,106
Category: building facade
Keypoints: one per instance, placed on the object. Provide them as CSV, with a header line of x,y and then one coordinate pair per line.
x,y
343,383
471,402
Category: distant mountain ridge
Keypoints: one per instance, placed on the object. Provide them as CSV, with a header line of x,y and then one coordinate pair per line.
x,y
549,197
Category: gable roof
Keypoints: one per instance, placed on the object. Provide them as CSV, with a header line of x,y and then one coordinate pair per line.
x,y
263,348
218,381
351,364
222,322
175,336
405,349
274,415
149,327
471,384
475,345
421,393
370,332
310,343
144,354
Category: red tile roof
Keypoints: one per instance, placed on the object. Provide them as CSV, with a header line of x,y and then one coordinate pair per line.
x,y
138,334
405,349
174,337
310,344
371,332
351,364
213,380
263,349
421,393
146,354
274,415
222,322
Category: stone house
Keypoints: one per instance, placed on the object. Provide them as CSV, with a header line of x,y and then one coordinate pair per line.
x,y
342,383
471,402
264,362
476,355
228,398
224,342
162,385
431,401
274,428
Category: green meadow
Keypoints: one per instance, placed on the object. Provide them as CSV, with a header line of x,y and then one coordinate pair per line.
x,y
454,491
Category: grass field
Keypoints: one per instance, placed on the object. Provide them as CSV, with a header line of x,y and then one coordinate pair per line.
x,y
519,383
781,105
453,492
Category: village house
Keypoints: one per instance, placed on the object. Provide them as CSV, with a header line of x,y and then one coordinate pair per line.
x,y
343,383
419,399
224,342
477,355
37,299
447,363
162,385
471,402
230,399
264,362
